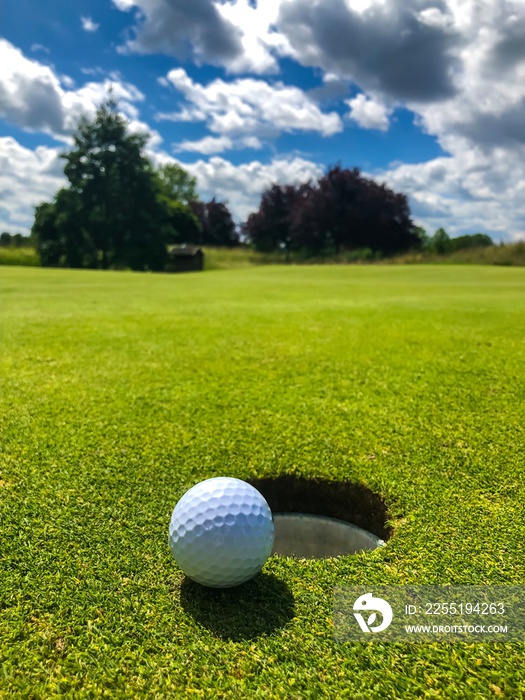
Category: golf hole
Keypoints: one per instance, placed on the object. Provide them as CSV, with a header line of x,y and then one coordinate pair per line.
x,y
316,518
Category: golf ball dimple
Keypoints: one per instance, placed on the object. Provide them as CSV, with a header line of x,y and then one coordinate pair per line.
x,y
221,532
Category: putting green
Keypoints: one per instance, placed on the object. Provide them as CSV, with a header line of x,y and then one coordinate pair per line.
x,y
121,390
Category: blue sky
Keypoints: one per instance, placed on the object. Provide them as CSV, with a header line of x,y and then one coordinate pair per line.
x,y
425,95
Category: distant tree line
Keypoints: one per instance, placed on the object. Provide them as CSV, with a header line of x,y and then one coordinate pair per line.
x,y
15,240
119,211
441,243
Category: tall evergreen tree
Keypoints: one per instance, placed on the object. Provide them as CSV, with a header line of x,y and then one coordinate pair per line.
x,y
117,189
111,214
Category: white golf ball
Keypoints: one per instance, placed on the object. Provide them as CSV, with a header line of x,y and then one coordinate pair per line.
x,y
221,532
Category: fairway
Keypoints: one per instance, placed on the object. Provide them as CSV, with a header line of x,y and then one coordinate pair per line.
x,y
121,390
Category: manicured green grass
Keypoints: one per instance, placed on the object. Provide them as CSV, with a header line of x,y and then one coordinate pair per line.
x,y
121,390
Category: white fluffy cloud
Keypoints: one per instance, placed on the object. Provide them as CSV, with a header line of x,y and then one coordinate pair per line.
x,y
249,107
32,96
368,113
27,178
260,42
30,93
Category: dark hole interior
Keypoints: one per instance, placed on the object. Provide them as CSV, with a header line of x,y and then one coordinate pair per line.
x,y
353,503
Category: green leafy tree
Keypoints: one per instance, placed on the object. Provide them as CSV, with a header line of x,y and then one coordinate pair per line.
x,y
175,184
440,242
176,193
